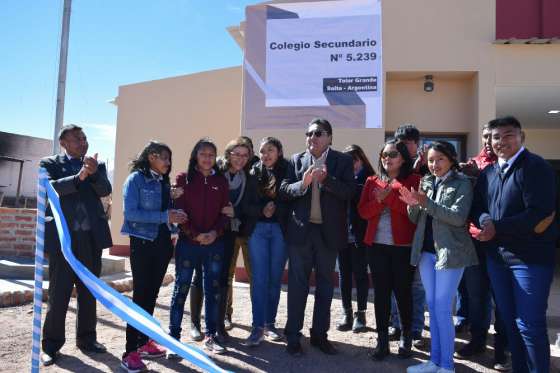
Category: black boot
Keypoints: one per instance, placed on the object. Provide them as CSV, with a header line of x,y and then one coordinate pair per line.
x,y
197,297
381,351
405,345
345,323
222,334
359,324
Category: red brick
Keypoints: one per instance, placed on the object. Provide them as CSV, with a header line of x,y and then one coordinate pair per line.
x,y
8,239
24,232
28,211
24,218
23,246
4,224
27,225
6,299
6,232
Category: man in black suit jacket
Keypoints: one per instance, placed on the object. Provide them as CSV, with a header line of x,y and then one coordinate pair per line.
x,y
80,181
319,183
514,204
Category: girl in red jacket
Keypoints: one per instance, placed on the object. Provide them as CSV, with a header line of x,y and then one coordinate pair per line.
x,y
200,239
389,237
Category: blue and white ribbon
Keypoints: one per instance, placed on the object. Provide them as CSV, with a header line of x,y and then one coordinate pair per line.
x,y
118,304
39,260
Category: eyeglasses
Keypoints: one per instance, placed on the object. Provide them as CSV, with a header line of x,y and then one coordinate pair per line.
x,y
239,155
391,154
316,133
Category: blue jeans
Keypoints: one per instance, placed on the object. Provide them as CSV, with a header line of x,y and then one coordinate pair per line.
x,y
189,256
418,306
267,253
521,293
441,286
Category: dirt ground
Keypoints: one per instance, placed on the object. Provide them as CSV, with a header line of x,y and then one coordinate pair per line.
x,y
269,357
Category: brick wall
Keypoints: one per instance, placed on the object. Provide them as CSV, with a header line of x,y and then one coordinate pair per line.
x,y
17,231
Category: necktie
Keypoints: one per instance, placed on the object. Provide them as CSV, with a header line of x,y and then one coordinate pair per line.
x,y
503,170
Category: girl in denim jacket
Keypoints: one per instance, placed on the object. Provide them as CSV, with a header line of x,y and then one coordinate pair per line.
x,y
147,217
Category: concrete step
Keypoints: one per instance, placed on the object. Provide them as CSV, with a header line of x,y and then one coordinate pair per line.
x,y
24,268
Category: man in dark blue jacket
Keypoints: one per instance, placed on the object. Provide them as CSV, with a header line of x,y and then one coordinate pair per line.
x,y
319,184
80,181
514,205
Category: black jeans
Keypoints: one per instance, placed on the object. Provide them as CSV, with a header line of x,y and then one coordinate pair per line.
x,y
352,260
148,261
391,271
61,282
314,254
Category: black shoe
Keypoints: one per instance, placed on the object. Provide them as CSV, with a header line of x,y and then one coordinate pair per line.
x,y
345,324
222,336
469,350
294,349
196,335
92,347
49,358
417,340
461,328
394,333
359,324
324,345
405,345
381,351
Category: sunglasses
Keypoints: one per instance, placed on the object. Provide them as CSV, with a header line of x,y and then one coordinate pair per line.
x,y
316,133
391,154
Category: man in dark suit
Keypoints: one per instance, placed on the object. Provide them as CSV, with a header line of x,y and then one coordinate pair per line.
x,y
319,183
80,181
514,205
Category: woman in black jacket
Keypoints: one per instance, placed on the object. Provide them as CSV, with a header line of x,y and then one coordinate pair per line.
x,y
352,258
264,224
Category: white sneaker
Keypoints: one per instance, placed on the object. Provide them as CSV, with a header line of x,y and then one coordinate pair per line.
x,y
427,367
443,370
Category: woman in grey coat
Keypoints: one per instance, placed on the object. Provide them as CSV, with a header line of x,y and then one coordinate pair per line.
x,y
441,247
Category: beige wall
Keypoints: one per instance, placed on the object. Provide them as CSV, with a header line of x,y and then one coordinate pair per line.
x,y
545,143
177,111
451,39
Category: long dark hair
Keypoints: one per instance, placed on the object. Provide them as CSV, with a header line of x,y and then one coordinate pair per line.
x,y
202,143
406,167
358,154
142,162
447,149
264,186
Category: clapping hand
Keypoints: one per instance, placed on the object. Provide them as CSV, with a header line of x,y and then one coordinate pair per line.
x,y
89,167
307,178
319,174
381,193
412,197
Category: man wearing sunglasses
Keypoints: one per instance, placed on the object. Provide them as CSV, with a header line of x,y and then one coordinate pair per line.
x,y
320,184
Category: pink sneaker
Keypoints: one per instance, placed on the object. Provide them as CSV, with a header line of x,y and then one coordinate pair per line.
x,y
132,363
151,350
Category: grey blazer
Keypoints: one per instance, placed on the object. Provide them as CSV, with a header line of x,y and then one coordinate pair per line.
x,y
450,211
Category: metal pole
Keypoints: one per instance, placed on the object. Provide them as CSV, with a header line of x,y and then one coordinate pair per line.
x,y
62,74
19,183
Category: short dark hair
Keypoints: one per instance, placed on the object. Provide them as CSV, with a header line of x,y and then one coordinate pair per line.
x,y
407,131
504,122
323,124
447,149
68,128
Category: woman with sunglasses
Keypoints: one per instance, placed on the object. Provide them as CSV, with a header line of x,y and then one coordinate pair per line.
x,y
352,260
442,246
388,237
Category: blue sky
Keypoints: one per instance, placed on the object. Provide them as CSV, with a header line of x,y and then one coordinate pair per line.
x,y
112,43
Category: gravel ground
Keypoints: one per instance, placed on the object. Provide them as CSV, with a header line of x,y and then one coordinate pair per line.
x,y
269,357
